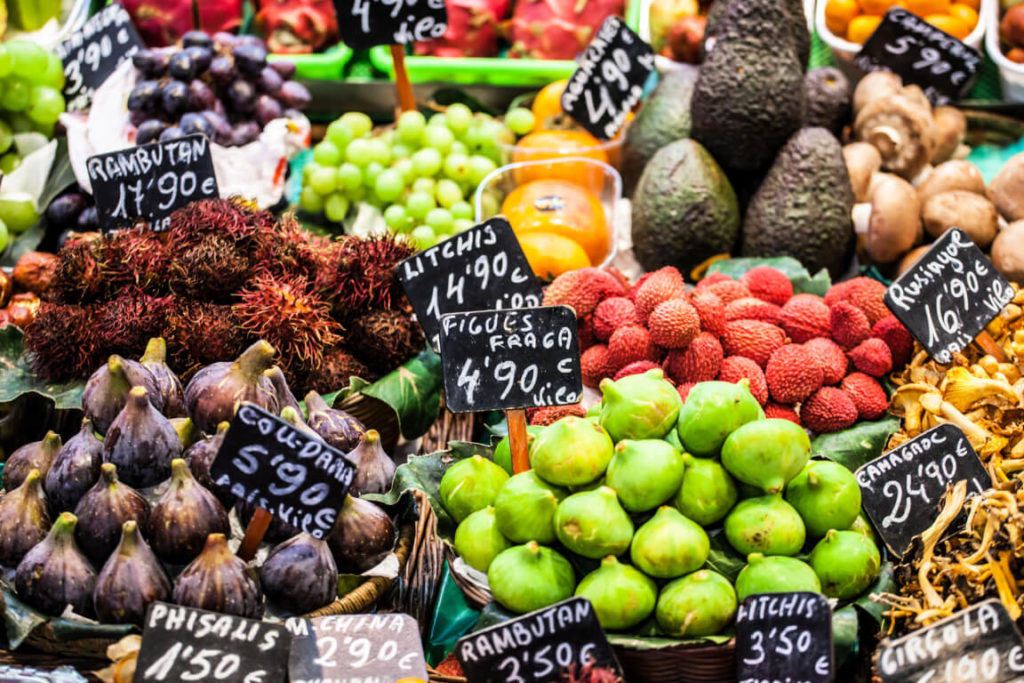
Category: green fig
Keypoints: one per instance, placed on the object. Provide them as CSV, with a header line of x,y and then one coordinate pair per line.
x,y
525,508
593,524
846,562
594,410
571,452
826,495
528,577
672,438
669,545
503,451
766,453
644,473
713,411
766,525
644,406
478,541
699,604
775,574
622,596
707,493
862,526
470,485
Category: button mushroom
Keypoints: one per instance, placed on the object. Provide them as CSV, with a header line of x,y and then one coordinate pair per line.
x,y
950,131
1007,189
874,86
1008,251
901,126
970,212
952,175
862,161
893,225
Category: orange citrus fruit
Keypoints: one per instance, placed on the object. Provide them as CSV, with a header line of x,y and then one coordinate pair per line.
x,y
952,25
558,144
876,7
562,208
839,14
550,255
923,8
964,13
973,4
862,27
547,103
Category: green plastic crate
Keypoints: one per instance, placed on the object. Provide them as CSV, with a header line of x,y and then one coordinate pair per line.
x,y
328,65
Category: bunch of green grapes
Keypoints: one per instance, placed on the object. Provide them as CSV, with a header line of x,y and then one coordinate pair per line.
x,y
421,174
31,81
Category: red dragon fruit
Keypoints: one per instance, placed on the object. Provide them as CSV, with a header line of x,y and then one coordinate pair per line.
x,y
472,30
163,22
297,26
557,29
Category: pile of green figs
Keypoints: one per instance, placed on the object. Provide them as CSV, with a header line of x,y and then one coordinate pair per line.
x,y
619,507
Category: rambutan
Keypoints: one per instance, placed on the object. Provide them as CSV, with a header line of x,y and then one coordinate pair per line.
x,y
805,317
830,357
135,258
872,356
637,368
673,324
629,344
542,417
78,278
828,410
596,364
699,362
232,218
362,274
336,372
711,311
582,290
768,284
200,333
664,284
729,290
780,411
793,374
384,339
890,330
209,269
867,394
848,324
611,314
293,250
61,342
126,323
863,292
735,368
752,308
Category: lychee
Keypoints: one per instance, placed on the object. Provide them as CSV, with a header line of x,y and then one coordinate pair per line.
x,y
684,390
752,339
699,362
596,364
805,317
863,292
867,394
872,356
632,292
713,278
848,324
828,410
630,344
664,284
729,290
752,308
830,357
673,324
890,330
781,412
768,284
792,374
544,416
711,311
582,289
637,368
611,314
735,368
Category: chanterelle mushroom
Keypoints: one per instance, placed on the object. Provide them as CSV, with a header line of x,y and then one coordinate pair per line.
x,y
906,403
963,389
902,128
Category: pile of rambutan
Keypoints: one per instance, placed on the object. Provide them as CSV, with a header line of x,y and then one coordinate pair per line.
x,y
223,276
812,360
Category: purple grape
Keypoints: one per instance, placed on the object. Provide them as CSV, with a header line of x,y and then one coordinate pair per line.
x,y
250,59
196,39
269,81
218,108
144,97
196,123
199,95
88,219
284,67
181,66
222,69
244,133
255,41
224,39
201,57
241,95
293,94
64,211
174,98
221,128
151,63
171,133
149,131
267,109
137,118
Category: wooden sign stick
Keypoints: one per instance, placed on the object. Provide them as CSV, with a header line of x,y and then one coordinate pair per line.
x,y
517,440
258,526
406,99
989,346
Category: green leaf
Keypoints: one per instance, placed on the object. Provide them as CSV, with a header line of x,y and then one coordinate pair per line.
x,y
803,282
885,583
16,379
845,626
19,618
723,559
857,445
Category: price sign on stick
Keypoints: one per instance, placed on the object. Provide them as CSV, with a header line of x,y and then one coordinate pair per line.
x,y
901,489
784,637
980,643
93,52
920,54
949,295
609,80
539,646
365,23
149,182
186,644
355,647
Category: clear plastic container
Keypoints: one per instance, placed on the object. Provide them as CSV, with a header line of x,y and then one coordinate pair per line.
x,y
603,181
1011,74
603,152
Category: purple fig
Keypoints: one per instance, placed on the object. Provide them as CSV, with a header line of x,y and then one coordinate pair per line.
x,y
75,469
55,574
285,397
107,389
200,457
362,536
38,455
24,519
219,581
130,581
217,390
278,530
171,392
374,469
103,510
184,516
300,574
294,418
336,427
141,442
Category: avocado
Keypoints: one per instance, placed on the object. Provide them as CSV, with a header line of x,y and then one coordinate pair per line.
x,y
800,31
802,208
828,99
684,209
773,21
664,117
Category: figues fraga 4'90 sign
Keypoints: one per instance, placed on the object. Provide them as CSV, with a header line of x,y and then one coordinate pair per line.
x,y
365,23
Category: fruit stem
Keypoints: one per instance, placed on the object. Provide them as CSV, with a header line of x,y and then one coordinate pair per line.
x,y
52,442
129,538
108,471
156,351
254,360
63,530
315,403
180,473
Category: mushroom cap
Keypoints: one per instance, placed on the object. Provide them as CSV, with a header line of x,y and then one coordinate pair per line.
x,y
1008,251
895,224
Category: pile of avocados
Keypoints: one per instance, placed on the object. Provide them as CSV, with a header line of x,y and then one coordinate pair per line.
x,y
740,155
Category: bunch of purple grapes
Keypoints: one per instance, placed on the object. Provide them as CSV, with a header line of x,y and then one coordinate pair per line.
x,y
221,86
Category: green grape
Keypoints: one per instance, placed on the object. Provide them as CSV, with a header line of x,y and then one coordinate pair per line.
x,y
29,59
423,236
17,210
448,192
307,171
427,162
456,167
4,236
473,136
460,117
440,220
380,151
6,136
370,173
438,119
359,152
389,185
396,218
310,201
335,207
46,129
489,204
349,177
357,195
358,122
9,162
410,127
479,168
400,151
324,181
520,120
405,167
458,147
327,154
439,138
427,185
462,225
15,96
6,61
418,204
339,134
53,75
461,210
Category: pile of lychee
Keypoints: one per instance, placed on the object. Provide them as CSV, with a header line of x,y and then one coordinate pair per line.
x,y
816,361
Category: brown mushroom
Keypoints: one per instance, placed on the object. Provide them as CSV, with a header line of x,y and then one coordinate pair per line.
x,y
873,86
970,212
910,258
950,131
862,161
1008,251
952,175
1007,189
894,226
902,128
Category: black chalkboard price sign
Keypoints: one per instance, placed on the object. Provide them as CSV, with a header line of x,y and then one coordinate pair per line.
x,y
355,647
784,637
949,295
93,52
609,80
980,643
149,182
921,54
365,23
186,644
901,489
539,647
296,477
481,269
504,360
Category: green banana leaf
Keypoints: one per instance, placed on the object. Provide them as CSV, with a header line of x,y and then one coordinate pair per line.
x,y
16,379
20,620
857,445
803,281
